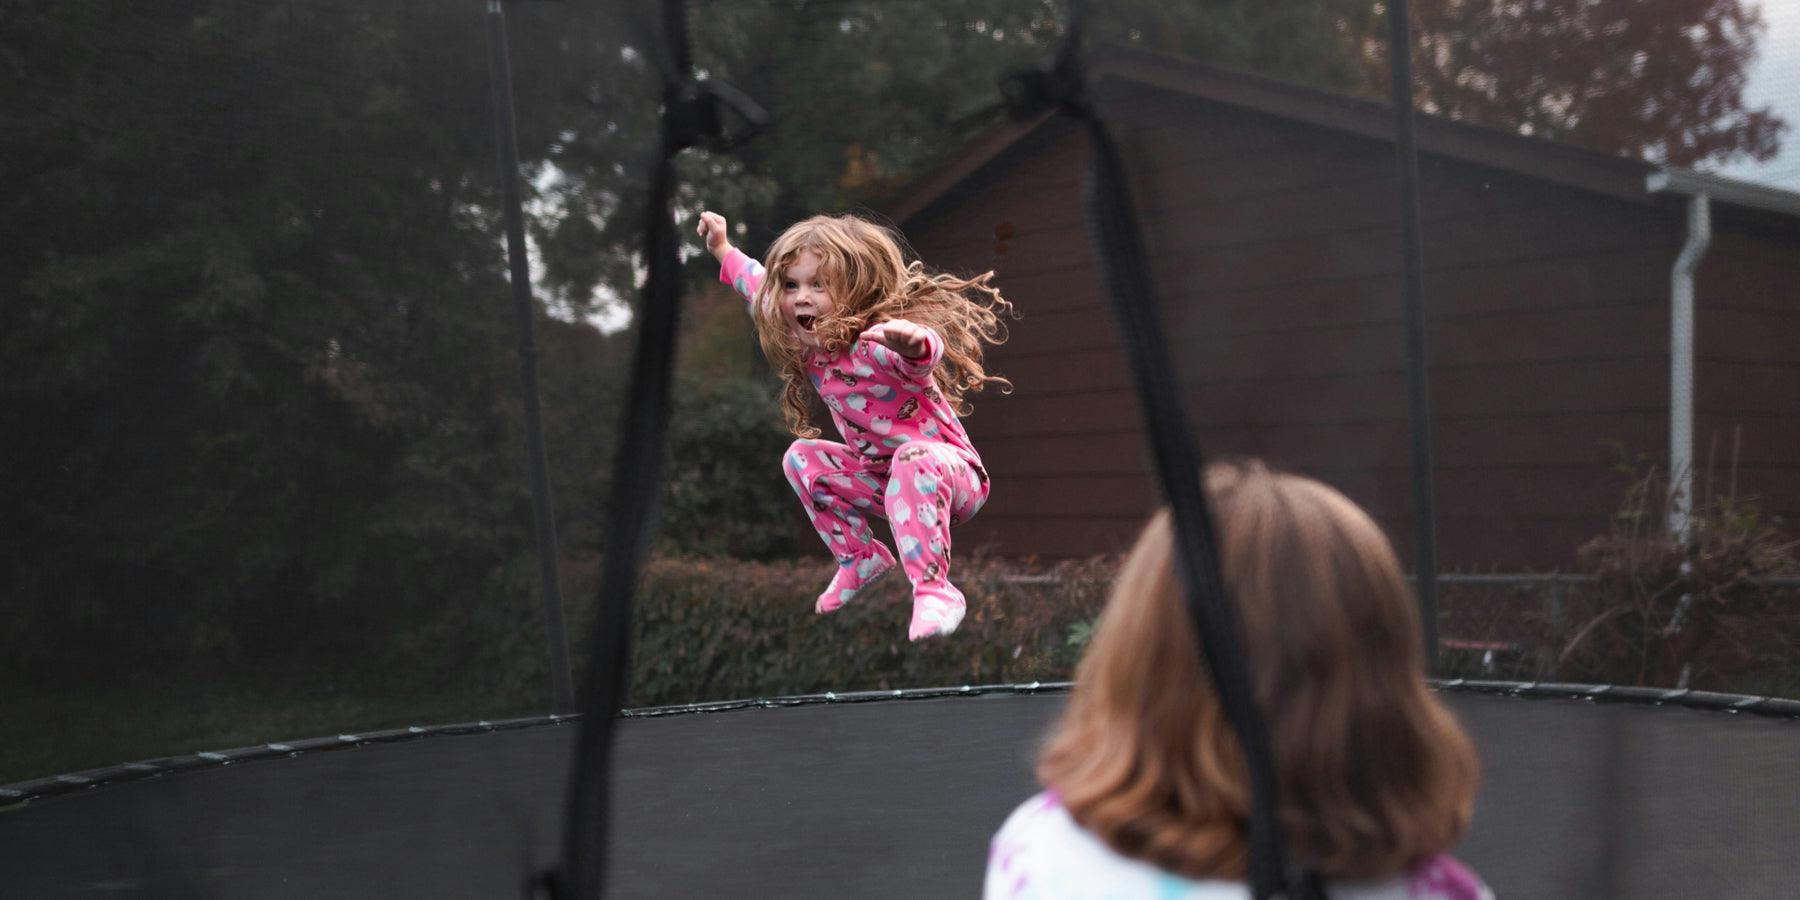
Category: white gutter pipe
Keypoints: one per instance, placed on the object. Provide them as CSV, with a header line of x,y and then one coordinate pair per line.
x,y
1681,365
1700,189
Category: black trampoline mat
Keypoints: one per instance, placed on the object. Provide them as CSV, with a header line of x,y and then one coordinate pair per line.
x,y
887,799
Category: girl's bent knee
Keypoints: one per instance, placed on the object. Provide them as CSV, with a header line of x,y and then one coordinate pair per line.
x,y
920,456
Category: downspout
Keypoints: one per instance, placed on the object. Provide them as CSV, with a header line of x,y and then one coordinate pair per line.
x,y
1681,365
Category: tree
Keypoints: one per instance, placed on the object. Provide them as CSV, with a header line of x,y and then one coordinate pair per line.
x,y
1661,80
254,332
256,360
868,95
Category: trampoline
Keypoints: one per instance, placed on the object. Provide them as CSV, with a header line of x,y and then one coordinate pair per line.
x,y
1587,791
879,796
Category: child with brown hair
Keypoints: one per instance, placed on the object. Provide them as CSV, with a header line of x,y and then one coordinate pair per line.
x,y
893,351
1147,794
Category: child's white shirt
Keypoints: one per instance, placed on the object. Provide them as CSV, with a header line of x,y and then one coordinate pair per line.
x,y
1041,853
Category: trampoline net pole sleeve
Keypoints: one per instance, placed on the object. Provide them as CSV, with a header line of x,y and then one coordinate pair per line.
x,y
637,471
1119,249
690,117
1413,281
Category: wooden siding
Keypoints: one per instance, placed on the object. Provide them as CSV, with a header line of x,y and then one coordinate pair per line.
x,y
1276,247
1747,363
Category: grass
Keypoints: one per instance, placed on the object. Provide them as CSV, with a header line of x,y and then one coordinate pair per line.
x,y
58,730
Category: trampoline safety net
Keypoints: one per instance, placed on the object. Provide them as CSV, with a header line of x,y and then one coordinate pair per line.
x,y
317,335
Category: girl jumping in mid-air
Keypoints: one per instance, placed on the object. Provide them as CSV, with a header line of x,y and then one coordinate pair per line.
x,y
1146,791
893,350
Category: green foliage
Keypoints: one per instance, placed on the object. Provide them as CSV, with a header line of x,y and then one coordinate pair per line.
x,y
706,629
724,493
257,365
1080,634
253,329
868,95
711,629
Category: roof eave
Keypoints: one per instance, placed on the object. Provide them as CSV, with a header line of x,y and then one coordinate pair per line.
x,y
1723,190
932,192
1533,157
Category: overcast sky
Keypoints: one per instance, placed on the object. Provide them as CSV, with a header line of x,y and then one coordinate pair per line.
x,y
1775,82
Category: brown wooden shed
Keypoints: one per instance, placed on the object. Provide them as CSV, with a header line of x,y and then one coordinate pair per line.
x,y
1272,217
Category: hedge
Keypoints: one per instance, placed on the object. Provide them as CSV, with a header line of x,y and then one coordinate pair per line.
x,y
708,628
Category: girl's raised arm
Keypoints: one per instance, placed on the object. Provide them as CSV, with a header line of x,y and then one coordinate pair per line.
x,y
713,229
735,267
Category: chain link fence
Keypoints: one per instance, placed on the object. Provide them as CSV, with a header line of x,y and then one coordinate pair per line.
x,y
1572,627
1576,628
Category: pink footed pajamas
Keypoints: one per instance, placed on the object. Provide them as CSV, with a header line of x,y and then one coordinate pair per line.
x,y
907,460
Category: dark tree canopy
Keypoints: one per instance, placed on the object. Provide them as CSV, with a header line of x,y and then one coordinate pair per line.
x,y
256,362
254,320
1656,79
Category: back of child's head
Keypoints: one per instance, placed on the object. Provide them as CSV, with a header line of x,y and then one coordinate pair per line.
x,y
870,280
1373,773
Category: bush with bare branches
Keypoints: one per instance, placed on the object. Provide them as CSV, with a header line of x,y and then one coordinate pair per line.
x,y
1704,608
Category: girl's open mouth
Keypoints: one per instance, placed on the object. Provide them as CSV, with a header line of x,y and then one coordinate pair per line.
x,y
805,322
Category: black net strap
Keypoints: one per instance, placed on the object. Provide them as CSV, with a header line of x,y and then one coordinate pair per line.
x,y
691,116
1118,242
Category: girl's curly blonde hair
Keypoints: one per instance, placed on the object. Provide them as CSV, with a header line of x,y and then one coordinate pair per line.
x,y
870,281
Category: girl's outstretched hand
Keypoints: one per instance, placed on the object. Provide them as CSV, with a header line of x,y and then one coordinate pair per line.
x,y
903,337
712,230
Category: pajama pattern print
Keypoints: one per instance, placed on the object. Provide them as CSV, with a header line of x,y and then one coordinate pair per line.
x,y
929,487
906,459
